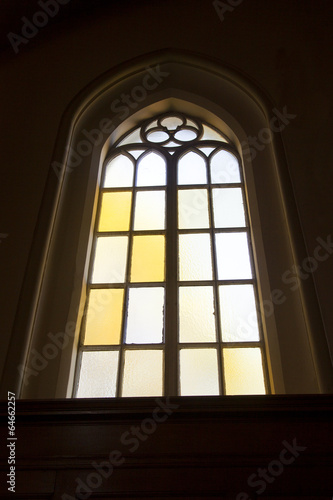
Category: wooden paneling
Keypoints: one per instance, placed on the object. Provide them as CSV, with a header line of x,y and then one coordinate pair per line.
x,y
204,448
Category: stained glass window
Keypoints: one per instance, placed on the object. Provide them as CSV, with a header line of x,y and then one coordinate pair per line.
x,y
171,304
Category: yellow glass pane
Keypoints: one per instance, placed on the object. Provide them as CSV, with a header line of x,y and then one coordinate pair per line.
x,y
148,258
104,315
198,372
243,371
143,373
98,375
115,212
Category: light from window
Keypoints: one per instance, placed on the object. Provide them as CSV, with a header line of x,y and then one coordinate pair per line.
x,y
171,285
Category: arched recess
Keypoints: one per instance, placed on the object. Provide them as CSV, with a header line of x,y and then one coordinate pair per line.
x,y
297,350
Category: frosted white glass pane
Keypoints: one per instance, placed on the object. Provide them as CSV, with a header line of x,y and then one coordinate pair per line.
x,y
196,314
243,371
228,207
233,259
195,262
239,321
119,172
110,260
186,135
133,137
136,153
152,124
151,171
211,134
224,168
198,372
191,123
143,373
98,375
192,169
193,209
149,210
206,150
171,122
145,316
157,136
172,144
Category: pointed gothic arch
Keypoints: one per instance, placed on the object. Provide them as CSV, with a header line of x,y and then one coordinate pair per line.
x,y
298,359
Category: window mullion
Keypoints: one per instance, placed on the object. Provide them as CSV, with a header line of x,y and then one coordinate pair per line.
x,y
171,301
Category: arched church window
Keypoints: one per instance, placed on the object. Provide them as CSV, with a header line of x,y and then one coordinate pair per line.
x,y
172,300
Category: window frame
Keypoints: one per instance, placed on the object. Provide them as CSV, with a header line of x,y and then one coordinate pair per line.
x,y
51,294
171,345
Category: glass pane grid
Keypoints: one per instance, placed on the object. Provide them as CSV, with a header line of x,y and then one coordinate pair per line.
x,y
139,328
234,221
198,305
201,230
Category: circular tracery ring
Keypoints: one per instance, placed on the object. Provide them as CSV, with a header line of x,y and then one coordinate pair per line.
x,y
172,127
